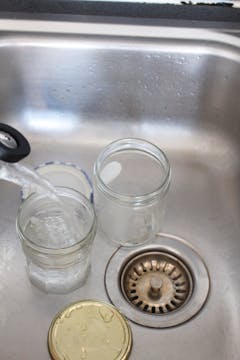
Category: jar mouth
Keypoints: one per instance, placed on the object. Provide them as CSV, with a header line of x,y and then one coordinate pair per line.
x,y
61,250
134,144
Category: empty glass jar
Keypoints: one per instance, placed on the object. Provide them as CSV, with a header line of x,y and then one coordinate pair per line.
x,y
131,181
57,239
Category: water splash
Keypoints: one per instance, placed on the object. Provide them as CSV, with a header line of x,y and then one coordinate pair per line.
x,y
31,182
106,314
26,177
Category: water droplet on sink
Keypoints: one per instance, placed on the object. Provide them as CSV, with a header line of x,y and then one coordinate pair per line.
x,y
83,354
106,314
68,314
83,327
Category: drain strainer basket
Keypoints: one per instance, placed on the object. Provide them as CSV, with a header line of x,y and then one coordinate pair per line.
x,y
159,285
156,282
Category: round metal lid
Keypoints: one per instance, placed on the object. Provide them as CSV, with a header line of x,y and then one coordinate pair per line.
x,y
89,330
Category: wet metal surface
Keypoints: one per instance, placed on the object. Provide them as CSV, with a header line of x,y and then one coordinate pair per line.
x,y
73,88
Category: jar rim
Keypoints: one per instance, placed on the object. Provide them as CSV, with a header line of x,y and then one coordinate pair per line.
x,y
63,250
133,144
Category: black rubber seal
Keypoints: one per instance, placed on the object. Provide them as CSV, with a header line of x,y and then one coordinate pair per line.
x,y
21,151
224,12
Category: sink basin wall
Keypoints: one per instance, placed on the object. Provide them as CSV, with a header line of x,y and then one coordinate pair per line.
x,y
71,94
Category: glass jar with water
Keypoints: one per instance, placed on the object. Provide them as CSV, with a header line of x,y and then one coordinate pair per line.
x,y
57,240
56,226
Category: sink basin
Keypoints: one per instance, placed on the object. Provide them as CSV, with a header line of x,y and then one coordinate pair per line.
x,y
73,88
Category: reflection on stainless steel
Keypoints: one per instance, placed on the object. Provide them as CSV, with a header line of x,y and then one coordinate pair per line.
x,y
178,88
48,120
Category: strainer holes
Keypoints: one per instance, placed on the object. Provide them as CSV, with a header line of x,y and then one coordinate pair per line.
x,y
161,310
180,291
168,307
137,271
164,267
177,277
145,308
134,298
174,303
173,269
180,284
153,309
139,303
132,291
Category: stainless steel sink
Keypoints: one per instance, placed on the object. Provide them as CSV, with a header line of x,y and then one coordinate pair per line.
x,y
71,89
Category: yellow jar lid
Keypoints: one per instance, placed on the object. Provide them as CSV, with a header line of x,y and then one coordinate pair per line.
x,y
89,330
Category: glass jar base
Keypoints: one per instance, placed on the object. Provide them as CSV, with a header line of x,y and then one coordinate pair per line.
x,y
58,281
127,243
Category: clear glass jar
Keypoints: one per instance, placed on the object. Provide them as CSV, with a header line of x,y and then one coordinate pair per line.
x,y
131,181
58,257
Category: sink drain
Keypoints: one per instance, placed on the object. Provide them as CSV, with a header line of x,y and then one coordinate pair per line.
x,y
159,285
156,282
